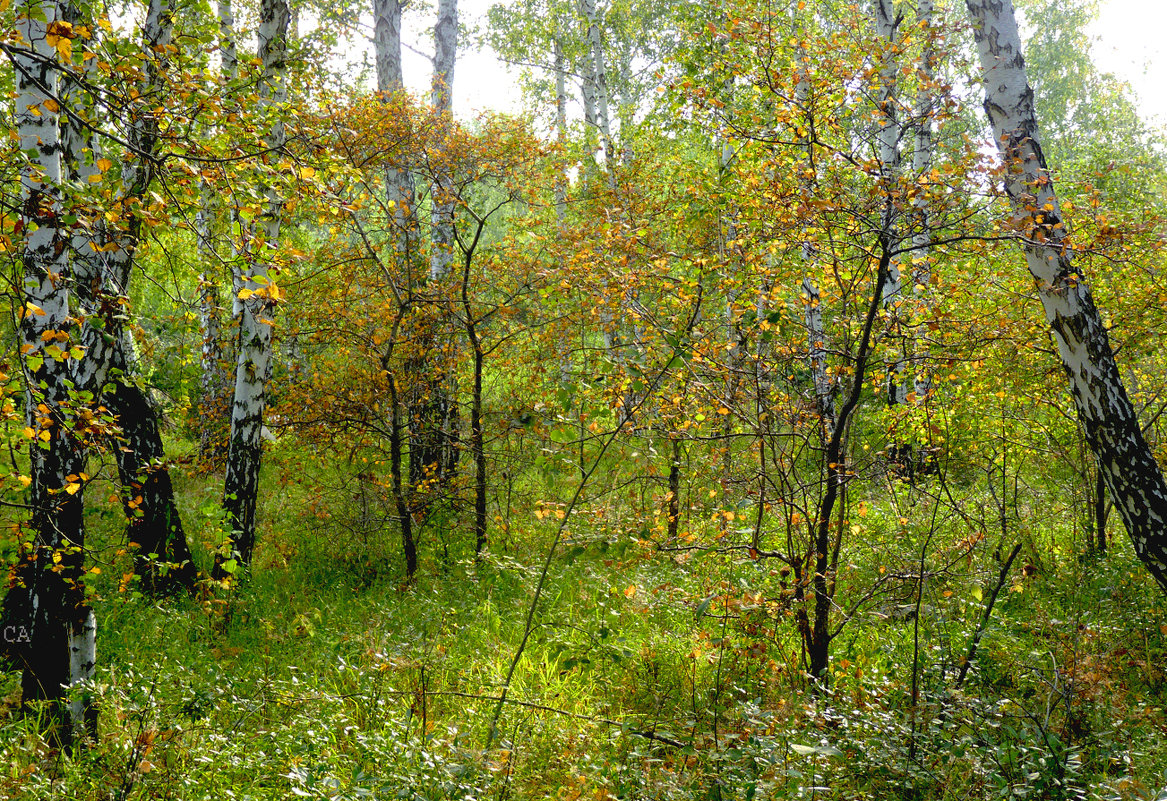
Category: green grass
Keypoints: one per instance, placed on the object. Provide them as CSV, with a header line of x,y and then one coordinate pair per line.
x,y
325,675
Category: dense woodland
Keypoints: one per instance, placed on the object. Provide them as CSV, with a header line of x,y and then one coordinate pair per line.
x,y
772,410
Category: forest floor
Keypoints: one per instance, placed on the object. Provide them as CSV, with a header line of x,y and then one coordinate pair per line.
x,y
648,673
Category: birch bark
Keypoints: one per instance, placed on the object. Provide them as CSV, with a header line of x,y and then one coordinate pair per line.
x,y
215,385
816,337
399,187
163,559
922,232
887,27
1107,416
257,303
445,57
54,644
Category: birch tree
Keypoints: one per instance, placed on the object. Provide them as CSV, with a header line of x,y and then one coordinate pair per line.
x,y
215,383
55,642
442,99
258,296
433,453
399,185
921,220
163,560
1108,418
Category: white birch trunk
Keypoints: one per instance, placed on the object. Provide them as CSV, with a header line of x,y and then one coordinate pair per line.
x,y
442,217
215,382
816,349
600,87
387,44
560,128
922,233
82,645
1111,426
887,27
46,602
228,56
399,186
257,304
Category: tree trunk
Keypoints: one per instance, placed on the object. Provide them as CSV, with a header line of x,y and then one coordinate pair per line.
x,y
887,27
433,452
600,86
215,396
445,56
244,458
816,349
560,129
163,560
45,607
1107,416
921,223
399,187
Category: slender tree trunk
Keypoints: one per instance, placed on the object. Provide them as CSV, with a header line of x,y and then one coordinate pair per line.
x,y
400,496
433,414
816,350
399,186
674,498
54,642
400,200
890,131
560,129
600,86
477,437
253,369
441,192
1108,418
921,223
818,634
1101,512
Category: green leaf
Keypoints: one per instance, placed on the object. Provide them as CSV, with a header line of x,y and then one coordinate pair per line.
x,y
809,750
703,607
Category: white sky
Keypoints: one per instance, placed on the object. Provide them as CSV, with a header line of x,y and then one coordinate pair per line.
x,y
1129,42
481,81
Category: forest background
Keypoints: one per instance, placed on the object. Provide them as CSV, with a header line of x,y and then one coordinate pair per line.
x,y
693,431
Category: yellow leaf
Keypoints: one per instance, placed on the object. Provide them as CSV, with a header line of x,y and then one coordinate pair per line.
x,y
631,591
25,480
244,294
104,164
51,105
72,489
307,172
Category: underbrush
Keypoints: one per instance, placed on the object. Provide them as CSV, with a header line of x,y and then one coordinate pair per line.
x,y
646,674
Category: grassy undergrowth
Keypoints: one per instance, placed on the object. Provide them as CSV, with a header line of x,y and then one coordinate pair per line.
x,y
649,674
